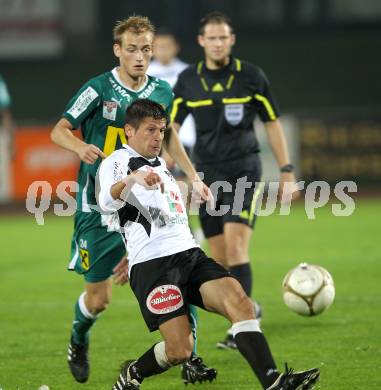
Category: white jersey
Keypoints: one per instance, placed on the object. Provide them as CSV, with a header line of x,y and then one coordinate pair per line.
x,y
155,224
170,73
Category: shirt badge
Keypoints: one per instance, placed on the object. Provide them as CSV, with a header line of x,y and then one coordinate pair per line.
x,y
234,113
109,110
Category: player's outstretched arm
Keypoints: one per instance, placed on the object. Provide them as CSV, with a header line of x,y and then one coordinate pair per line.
x,y
149,180
62,135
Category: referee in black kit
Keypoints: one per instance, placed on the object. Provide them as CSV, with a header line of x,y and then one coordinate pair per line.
x,y
224,94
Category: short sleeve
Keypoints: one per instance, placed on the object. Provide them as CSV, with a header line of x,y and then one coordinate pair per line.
x,y
179,110
112,170
83,103
264,99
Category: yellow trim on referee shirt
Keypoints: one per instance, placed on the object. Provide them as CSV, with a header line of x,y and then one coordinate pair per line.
x,y
199,67
267,105
238,64
175,108
236,100
199,103
254,201
230,81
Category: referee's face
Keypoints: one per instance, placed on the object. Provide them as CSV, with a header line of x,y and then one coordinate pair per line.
x,y
148,137
134,53
217,42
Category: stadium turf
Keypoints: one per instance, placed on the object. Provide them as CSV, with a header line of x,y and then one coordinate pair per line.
x,y
37,297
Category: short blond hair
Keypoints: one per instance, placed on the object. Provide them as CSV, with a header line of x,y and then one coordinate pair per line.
x,y
136,24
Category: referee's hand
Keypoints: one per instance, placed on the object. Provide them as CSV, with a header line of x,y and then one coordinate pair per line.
x,y
288,190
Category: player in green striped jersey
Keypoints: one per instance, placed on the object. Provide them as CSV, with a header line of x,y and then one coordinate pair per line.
x,y
98,109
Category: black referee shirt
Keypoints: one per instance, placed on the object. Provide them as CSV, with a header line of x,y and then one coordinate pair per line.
x,y
224,104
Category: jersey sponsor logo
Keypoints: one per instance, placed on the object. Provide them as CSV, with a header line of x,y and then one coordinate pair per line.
x,y
148,91
234,113
85,260
117,172
120,90
174,202
83,101
117,101
164,299
109,110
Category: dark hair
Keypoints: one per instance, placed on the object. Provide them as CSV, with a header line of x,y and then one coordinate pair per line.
x,y
144,108
214,17
164,31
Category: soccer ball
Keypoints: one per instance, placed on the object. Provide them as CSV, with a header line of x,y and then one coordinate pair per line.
x,y
308,289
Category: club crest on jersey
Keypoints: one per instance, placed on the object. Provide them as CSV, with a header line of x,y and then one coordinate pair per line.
x,y
164,299
234,113
109,110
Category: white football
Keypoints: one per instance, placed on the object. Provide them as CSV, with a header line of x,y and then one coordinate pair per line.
x,y
308,289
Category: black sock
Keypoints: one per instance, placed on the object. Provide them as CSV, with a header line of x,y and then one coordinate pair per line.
x,y
243,273
146,366
253,346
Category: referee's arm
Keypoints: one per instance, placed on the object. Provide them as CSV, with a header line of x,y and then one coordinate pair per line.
x,y
269,114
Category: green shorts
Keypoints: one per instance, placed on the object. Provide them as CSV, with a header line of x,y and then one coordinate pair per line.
x,y
95,250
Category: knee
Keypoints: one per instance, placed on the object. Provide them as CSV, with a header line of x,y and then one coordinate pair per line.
x,y
178,353
97,303
235,251
239,306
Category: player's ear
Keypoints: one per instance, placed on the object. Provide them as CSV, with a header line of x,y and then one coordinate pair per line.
x,y
200,39
128,130
117,49
233,39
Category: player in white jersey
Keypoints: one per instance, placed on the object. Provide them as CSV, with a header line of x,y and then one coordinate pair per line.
x,y
168,271
167,66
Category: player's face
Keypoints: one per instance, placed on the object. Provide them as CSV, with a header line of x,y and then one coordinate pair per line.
x,y
165,48
148,138
134,53
217,41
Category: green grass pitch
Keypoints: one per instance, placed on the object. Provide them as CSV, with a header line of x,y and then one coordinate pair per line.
x,y
37,297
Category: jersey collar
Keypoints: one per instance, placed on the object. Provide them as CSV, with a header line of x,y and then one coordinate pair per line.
x,y
134,153
115,74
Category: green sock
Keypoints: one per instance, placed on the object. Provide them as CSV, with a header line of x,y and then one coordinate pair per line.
x,y
193,319
83,321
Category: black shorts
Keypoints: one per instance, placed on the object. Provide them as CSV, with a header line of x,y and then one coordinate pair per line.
x,y
164,287
240,202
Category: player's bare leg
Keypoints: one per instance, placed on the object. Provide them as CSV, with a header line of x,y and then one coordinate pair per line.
x,y
237,238
226,296
234,246
90,304
175,348
217,249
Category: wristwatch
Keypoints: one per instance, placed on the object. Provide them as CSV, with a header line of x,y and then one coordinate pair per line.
x,y
287,168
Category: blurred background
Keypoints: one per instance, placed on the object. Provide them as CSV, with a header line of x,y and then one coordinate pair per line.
x,y
323,58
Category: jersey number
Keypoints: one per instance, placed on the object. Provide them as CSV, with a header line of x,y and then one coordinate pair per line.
x,y
111,139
